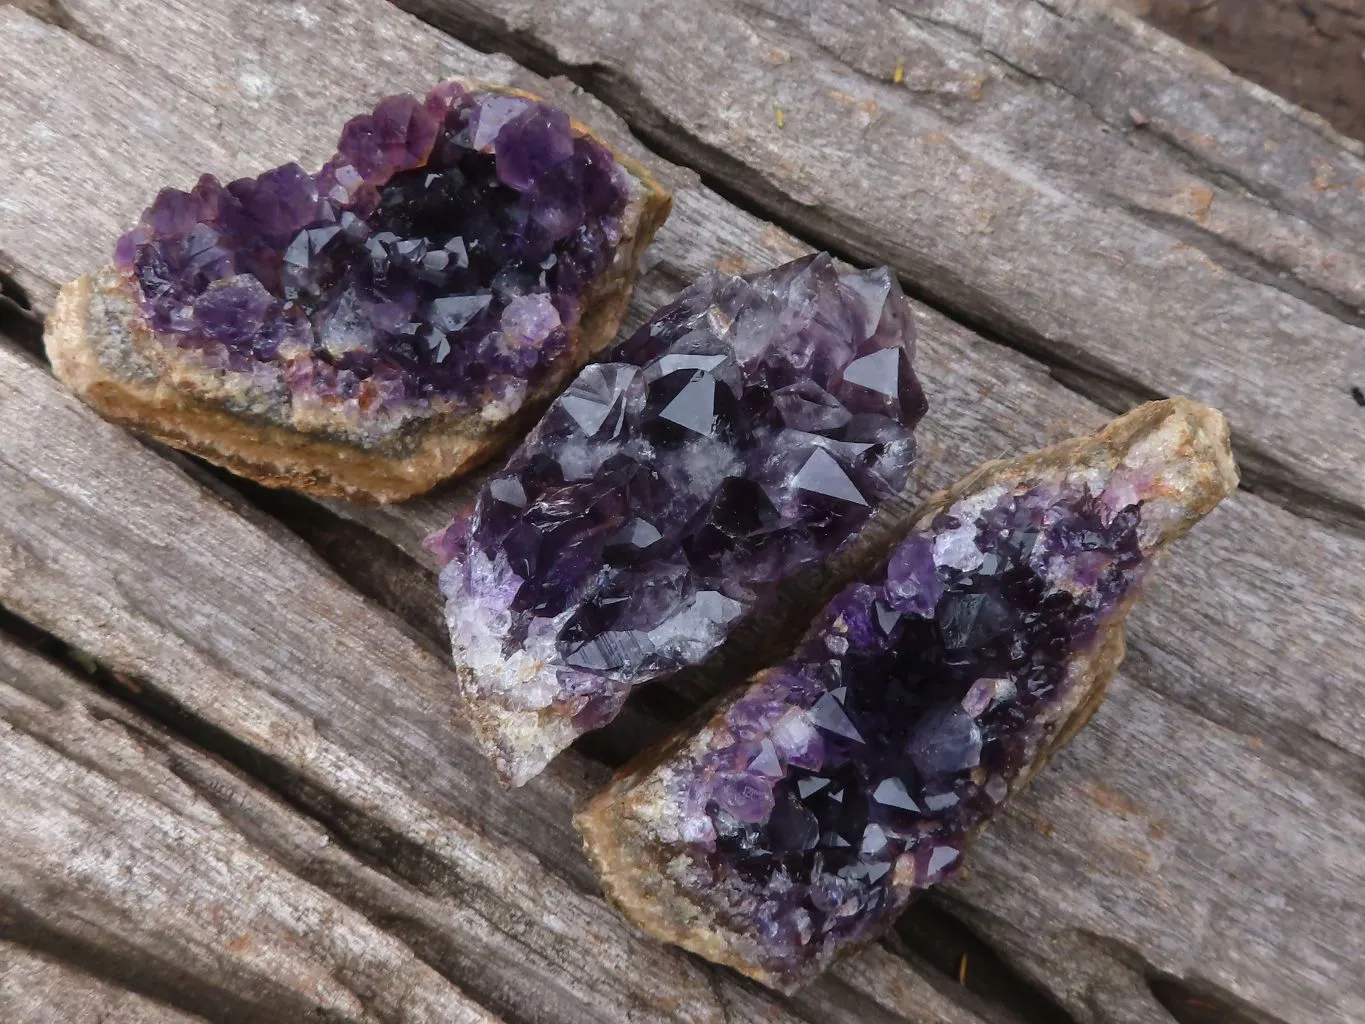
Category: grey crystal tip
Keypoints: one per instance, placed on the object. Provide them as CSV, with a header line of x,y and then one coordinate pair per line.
x,y
797,822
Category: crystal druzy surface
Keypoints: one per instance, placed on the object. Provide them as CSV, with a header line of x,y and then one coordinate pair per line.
x,y
902,720
441,257
804,816
742,435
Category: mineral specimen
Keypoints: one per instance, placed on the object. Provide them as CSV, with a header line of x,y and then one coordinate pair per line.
x,y
807,812
371,329
745,434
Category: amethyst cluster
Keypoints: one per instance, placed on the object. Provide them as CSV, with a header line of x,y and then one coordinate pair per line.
x,y
744,434
807,812
857,769
441,257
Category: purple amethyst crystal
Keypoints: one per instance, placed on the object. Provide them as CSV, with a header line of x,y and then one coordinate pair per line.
x,y
744,434
440,259
801,819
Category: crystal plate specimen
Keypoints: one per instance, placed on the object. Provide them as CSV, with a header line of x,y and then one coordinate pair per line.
x,y
371,329
805,814
745,434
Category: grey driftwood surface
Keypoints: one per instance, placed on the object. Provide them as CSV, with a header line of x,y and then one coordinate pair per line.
x,y
268,811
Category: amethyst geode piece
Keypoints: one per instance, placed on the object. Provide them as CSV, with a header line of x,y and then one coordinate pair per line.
x,y
744,435
807,812
439,254
441,269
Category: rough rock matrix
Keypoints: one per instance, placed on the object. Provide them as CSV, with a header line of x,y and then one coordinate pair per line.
x,y
458,257
743,435
804,815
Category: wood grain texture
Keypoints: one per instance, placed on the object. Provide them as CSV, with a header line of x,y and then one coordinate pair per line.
x,y
1054,170
36,989
126,868
1204,828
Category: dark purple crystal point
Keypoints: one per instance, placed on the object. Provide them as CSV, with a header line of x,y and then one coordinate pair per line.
x,y
802,818
440,260
744,434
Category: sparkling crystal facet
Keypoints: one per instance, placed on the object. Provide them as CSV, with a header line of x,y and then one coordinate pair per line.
x,y
442,256
675,485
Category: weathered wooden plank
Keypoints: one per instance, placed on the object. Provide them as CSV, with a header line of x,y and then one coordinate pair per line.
x,y
37,990
112,858
1257,662
1052,169
1306,50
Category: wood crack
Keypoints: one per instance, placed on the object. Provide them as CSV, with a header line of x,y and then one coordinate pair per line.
x,y
56,14
1187,1002
1248,264
1291,748
1191,159
160,980
1268,476
17,317
1196,1004
933,934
